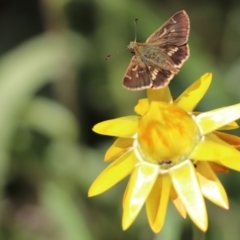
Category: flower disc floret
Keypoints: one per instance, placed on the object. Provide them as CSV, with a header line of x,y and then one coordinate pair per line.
x,y
166,134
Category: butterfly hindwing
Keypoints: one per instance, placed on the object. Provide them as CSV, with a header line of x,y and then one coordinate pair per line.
x,y
136,76
162,78
178,55
141,76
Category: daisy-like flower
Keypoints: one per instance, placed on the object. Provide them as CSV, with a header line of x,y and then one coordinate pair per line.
x,y
170,152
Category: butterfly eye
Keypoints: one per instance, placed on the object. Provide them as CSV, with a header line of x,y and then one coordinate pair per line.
x,y
132,51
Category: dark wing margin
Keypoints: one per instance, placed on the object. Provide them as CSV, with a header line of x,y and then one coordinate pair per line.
x,y
177,54
141,76
173,32
162,79
137,75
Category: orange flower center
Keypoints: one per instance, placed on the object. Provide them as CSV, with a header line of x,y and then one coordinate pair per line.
x,y
166,134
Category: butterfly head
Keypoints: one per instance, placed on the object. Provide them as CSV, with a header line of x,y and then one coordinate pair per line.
x,y
132,46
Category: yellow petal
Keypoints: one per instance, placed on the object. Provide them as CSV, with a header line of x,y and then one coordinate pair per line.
x,y
114,173
213,120
178,203
185,182
193,94
211,186
218,168
152,202
163,203
139,186
142,106
229,138
157,202
119,127
124,196
212,148
162,95
230,126
118,148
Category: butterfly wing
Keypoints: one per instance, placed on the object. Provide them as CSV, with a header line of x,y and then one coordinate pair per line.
x,y
162,79
172,58
174,32
176,55
141,76
159,59
171,38
137,75
159,77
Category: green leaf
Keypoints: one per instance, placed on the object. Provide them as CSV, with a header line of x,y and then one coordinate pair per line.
x,y
51,119
22,72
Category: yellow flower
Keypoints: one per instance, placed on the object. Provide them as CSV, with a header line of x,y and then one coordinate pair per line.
x,y
170,152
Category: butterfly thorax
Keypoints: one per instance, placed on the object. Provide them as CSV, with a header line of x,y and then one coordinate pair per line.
x,y
148,53
141,50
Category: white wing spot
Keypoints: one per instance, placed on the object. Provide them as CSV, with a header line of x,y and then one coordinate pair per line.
x,y
172,51
154,73
173,30
128,77
135,69
164,32
174,21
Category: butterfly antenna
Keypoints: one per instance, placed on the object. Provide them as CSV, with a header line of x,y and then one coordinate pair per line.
x,y
135,24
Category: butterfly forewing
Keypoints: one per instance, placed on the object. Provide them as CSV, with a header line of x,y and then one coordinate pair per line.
x,y
157,61
173,32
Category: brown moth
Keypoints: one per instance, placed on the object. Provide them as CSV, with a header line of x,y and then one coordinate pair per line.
x,y
156,61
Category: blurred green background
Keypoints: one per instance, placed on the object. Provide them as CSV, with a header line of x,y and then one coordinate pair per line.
x,y
55,85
